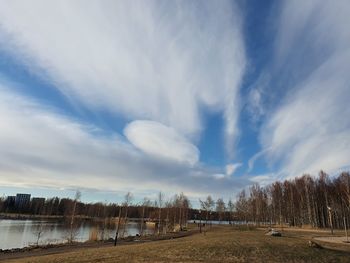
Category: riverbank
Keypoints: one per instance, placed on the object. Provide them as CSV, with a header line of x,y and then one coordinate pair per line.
x,y
219,244
28,252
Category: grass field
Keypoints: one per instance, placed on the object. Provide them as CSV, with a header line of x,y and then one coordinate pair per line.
x,y
220,244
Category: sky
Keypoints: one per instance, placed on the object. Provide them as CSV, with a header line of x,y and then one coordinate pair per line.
x,y
200,97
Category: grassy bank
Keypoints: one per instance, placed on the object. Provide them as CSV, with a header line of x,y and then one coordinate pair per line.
x,y
221,244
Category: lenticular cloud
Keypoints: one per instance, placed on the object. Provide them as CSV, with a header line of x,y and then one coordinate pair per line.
x,y
157,139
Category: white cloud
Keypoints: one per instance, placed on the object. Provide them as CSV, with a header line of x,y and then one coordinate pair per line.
x,y
147,60
310,130
41,148
231,168
264,179
256,98
157,139
255,157
219,176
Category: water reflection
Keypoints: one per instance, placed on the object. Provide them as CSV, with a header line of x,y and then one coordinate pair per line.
x,y
22,233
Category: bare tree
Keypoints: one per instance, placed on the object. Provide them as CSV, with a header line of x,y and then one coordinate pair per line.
x,y
207,205
118,226
186,206
145,204
127,201
39,231
73,231
168,206
242,206
220,208
345,188
160,205
231,208
103,230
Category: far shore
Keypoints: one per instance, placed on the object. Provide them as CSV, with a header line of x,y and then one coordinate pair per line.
x,y
21,216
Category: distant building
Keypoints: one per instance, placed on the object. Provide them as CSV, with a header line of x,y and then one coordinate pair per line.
x,y
22,201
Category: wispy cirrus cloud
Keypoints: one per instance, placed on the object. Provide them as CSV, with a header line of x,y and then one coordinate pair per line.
x,y
309,130
161,67
157,64
153,60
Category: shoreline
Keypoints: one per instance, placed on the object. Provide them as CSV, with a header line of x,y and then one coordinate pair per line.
x,y
18,253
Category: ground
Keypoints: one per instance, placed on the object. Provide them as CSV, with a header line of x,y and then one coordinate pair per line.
x,y
220,244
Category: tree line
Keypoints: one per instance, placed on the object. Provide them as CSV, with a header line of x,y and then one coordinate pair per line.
x,y
65,206
319,202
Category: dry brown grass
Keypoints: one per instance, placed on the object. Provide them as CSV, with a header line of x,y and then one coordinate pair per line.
x,y
221,244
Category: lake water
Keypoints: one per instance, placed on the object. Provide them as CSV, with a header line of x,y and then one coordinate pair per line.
x,y
22,233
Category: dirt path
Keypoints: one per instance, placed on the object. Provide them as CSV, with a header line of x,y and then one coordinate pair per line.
x,y
333,239
333,242
298,229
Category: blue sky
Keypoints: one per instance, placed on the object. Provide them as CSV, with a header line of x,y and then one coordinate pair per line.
x,y
196,96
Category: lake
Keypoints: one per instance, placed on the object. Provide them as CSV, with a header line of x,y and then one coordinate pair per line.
x,y
23,233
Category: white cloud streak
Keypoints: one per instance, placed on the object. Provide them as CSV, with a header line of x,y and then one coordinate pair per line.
x,y
254,158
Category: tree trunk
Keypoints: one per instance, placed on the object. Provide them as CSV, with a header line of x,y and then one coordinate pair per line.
x,y
117,232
